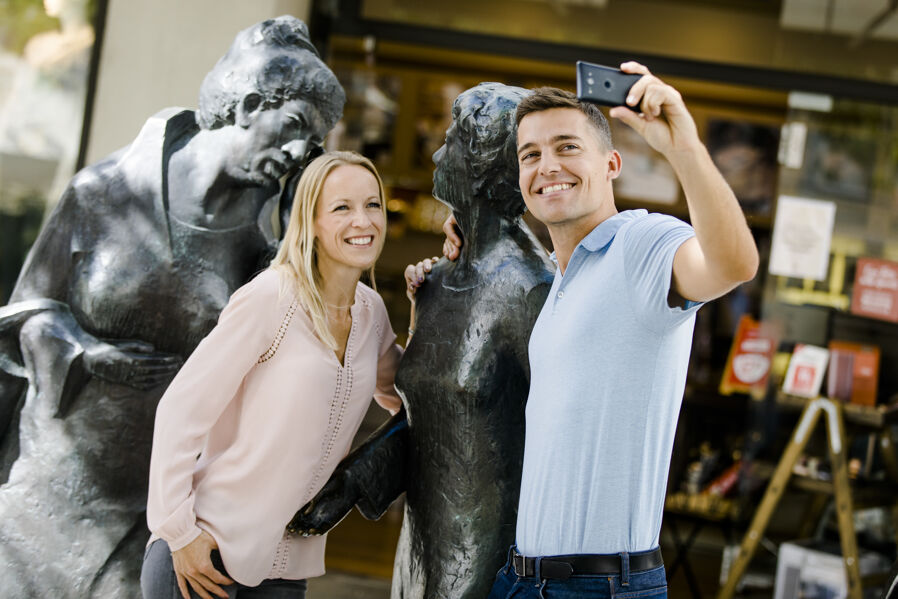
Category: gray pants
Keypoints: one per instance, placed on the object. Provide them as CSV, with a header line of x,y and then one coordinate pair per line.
x,y
158,581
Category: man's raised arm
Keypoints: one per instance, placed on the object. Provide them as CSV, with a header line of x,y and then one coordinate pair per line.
x,y
723,253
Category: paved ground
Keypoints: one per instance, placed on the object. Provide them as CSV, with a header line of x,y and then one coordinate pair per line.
x,y
338,585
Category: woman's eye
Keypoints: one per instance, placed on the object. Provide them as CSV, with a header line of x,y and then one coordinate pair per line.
x,y
341,207
566,147
374,205
528,156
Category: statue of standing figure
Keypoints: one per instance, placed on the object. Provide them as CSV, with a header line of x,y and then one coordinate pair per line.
x,y
127,276
457,449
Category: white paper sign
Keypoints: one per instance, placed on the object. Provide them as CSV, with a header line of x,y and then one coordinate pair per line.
x,y
805,373
802,234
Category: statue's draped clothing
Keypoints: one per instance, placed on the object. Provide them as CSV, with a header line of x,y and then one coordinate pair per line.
x,y
113,263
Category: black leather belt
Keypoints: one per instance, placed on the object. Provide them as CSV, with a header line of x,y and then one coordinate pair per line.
x,y
565,566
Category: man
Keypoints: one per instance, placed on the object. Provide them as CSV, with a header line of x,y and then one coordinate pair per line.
x,y
463,378
609,351
129,274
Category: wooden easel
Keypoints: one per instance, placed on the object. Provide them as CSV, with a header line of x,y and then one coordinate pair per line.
x,y
835,429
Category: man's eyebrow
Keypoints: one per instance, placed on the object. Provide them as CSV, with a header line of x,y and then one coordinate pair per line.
x,y
554,140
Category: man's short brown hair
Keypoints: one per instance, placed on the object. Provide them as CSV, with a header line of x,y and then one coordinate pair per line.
x,y
545,98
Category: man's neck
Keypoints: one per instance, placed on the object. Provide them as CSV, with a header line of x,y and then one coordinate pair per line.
x,y
567,235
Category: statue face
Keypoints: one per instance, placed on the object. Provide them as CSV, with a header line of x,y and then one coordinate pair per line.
x,y
449,173
276,139
349,220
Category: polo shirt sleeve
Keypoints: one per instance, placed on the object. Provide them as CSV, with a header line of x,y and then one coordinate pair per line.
x,y
650,244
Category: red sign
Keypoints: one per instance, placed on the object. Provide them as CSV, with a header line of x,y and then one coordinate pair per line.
x,y
876,289
751,354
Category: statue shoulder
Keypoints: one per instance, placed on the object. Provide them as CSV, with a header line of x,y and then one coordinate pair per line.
x,y
527,268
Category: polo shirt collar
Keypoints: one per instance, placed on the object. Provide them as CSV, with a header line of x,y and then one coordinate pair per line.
x,y
605,231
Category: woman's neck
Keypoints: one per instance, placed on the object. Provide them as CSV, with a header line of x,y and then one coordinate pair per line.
x,y
338,284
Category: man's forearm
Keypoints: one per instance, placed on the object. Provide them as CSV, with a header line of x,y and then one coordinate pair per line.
x,y
724,237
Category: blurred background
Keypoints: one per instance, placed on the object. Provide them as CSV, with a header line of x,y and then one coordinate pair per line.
x,y
797,101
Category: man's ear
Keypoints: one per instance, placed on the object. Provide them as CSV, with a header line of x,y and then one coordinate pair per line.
x,y
614,165
247,109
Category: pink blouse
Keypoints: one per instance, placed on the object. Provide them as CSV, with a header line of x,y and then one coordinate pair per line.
x,y
241,442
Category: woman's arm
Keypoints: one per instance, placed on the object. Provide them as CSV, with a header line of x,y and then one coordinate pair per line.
x,y
196,399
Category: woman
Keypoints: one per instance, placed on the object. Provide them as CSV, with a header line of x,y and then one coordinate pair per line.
x,y
271,399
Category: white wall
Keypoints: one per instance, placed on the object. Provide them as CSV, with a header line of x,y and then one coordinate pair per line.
x,y
156,53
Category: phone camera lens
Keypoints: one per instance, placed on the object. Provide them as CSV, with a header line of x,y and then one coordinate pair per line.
x,y
608,84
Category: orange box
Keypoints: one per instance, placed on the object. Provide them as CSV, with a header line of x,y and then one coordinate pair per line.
x,y
853,372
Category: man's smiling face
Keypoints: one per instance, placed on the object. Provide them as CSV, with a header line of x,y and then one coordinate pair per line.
x,y
565,172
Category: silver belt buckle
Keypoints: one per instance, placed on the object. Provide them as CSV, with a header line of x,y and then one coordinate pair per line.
x,y
523,572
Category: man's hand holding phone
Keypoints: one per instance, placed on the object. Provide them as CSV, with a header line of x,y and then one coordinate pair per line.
x,y
653,108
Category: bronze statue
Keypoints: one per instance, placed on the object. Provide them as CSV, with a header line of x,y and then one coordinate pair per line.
x,y
464,377
128,275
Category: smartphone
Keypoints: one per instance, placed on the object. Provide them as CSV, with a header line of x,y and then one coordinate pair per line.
x,y
604,85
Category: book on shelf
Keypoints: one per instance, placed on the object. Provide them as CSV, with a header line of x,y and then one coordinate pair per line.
x,y
853,374
875,293
807,366
751,354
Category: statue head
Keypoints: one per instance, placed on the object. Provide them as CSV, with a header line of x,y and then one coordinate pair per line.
x,y
478,161
272,83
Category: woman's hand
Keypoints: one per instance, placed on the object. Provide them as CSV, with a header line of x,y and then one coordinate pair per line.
x,y
415,275
193,565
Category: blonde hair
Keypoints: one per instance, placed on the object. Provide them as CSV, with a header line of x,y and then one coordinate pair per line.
x,y
297,258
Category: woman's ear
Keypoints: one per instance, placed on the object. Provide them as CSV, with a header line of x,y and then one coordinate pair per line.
x,y
247,109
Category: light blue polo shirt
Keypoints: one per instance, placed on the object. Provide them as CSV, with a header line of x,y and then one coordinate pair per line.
x,y
608,360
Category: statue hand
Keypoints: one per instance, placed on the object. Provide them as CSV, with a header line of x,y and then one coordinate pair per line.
x,y
332,503
453,243
132,363
415,275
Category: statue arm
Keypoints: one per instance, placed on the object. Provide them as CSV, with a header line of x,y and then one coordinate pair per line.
x,y
60,356
55,340
371,477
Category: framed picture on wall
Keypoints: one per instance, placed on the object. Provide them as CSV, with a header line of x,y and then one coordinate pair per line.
x,y
745,153
838,164
646,176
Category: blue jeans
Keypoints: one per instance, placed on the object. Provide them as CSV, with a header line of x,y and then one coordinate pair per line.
x,y
157,579
648,584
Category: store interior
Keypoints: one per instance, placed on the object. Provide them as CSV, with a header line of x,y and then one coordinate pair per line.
x,y
797,102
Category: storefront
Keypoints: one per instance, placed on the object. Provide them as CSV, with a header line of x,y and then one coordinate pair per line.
x,y
796,101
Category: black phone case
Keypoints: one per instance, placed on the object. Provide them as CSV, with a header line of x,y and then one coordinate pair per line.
x,y
603,85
